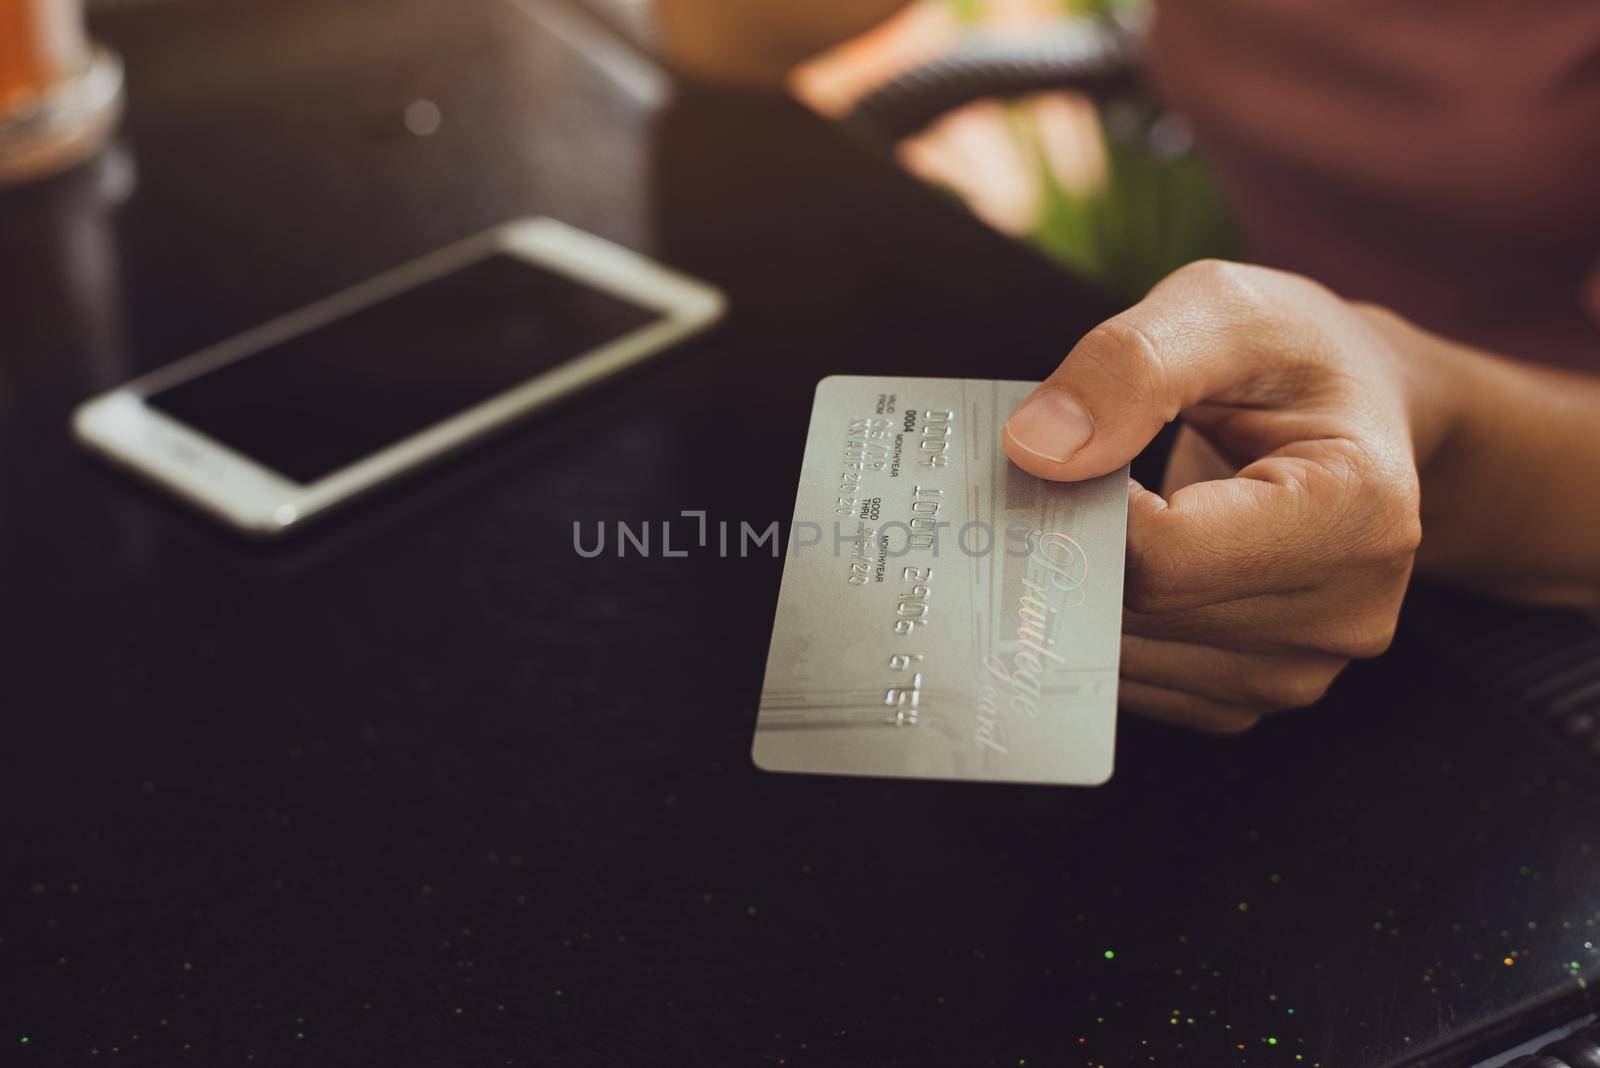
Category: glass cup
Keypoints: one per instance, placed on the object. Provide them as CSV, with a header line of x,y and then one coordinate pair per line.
x,y
60,95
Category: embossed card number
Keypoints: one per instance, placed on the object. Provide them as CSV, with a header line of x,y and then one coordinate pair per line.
x,y
976,630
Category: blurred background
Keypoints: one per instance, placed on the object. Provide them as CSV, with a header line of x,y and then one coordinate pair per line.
x,y
1033,114
1062,144
1029,112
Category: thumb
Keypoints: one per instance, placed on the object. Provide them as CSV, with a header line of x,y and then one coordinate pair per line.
x,y
1191,340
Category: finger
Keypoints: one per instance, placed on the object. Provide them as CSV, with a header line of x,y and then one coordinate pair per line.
x,y
1185,709
1268,624
1312,515
1213,543
1211,332
1266,683
1334,624
1193,459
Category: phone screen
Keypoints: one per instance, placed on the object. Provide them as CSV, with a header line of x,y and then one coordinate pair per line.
x,y
322,400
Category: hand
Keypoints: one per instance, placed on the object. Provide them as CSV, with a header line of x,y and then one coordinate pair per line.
x,y
1285,539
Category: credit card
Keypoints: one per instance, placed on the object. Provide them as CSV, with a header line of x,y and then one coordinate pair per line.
x,y
943,614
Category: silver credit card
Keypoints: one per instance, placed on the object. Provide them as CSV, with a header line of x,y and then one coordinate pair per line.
x,y
943,615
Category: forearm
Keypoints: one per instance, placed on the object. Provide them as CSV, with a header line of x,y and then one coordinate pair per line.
x,y
1510,473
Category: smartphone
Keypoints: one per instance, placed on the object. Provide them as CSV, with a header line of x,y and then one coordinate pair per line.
x,y
302,413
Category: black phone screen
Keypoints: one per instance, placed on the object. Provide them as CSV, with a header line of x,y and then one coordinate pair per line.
x,y
322,400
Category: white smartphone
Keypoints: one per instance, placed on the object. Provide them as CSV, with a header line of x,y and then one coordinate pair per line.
x,y
291,418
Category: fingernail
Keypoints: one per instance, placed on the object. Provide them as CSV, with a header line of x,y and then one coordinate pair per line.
x,y
1051,425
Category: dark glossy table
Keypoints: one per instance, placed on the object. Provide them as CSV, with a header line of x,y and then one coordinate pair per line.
x,y
424,787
